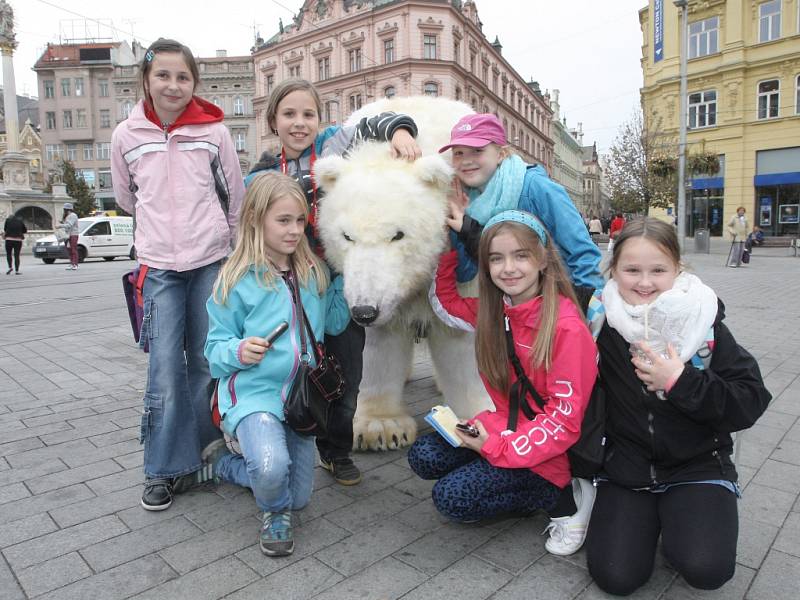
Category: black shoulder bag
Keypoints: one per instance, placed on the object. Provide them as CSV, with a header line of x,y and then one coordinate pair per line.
x,y
315,388
586,455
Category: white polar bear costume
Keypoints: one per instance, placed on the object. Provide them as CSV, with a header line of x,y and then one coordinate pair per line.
x,y
382,221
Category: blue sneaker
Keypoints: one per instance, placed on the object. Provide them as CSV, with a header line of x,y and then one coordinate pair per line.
x,y
211,456
276,534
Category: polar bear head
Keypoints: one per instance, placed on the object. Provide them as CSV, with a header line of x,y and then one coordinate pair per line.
x,y
382,223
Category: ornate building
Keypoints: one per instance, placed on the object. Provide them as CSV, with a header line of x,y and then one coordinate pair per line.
x,y
355,51
567,154
743,77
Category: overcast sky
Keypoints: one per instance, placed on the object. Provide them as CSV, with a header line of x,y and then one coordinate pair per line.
x,y
588,49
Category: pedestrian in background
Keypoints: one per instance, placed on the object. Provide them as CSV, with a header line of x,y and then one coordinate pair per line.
x,y
613,231
737,227
175,169
595,228
69,225
14,231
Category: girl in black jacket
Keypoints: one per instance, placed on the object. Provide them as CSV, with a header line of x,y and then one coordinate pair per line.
x,y
668,468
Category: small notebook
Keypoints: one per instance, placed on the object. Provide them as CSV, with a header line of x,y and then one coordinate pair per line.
x,y
443,420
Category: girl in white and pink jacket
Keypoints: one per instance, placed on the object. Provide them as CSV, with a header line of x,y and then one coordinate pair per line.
x,y
175,169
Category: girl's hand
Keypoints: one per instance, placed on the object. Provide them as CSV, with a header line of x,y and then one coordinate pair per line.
x,y
457,202
474,443
253,350
656,371
405,146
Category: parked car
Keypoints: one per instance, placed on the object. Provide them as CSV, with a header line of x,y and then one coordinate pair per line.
x,y
106,237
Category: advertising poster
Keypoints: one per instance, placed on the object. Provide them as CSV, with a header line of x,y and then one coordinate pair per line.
x,y
658,30
788,214
765,213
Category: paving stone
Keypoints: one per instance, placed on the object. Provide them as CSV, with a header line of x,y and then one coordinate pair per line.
x,y
11,448
765,504
753,453
63,541
416,486
19,509
53,574
121,435
376,480
25,529
735,589
470,578
755,539
8,583
15,475
550,577
325,501
42,455
788,452
141,542
368,546
99,506
788,540
423,517
116,481
35,432
14,491
131,461
777,578
362,512
189,504
67,433
388,578
203,549
56,417
302,579
439,549
116,584
777,419
71,476
210,582
779,475
506,551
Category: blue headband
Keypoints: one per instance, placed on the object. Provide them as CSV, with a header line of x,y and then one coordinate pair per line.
x,y
519,216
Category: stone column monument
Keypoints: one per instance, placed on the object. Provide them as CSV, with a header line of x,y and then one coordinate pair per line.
x,y
16,169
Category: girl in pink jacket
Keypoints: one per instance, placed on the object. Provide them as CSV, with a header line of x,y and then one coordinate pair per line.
x,y
513,464
174,168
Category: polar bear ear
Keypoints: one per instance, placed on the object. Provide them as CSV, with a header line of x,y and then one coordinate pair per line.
x,y
434,170
327,170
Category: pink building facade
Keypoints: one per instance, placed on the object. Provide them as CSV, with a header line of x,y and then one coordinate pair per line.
x,y
356,51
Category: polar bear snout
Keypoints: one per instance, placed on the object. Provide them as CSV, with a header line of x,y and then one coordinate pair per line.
x,y
364,314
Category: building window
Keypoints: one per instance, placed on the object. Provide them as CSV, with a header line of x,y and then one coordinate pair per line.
x,y
355,59
431,89
127,107
102,87
494,83
505,91
769,22
324,68
389,92
50,120
471,62
105,118
294,72
458,93
797,96
72,152
53,152
769,93
216,102
88,153
704,37
457,52
104,179
49,88
79,86
240,140
103,150
355,102
269,83
65,87
702,109
67,120
331,108
429,46
88,176
238,106
80,118
388,51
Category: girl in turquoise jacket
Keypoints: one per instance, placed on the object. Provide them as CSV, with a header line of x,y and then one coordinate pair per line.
x,y
252,297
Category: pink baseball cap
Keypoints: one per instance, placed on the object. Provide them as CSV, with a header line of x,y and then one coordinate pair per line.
x,y
476,131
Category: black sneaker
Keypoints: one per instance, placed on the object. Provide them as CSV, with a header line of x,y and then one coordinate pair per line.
x,y
344,470
157,494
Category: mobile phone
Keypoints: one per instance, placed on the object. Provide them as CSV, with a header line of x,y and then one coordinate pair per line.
x,y
277,332
470,430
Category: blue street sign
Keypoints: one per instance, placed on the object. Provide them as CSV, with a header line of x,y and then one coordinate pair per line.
x,y
658,30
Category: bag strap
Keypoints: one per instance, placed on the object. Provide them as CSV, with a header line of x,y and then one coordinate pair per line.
x,y
140,285
295,288
522,388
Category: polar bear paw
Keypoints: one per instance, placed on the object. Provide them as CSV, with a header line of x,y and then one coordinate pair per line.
x,y
388,433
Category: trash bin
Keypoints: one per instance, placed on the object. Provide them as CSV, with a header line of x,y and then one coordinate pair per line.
x,y
702,242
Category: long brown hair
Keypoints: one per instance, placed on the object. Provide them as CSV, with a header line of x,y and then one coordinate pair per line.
x,y
166,45
490,341
251,249
655,230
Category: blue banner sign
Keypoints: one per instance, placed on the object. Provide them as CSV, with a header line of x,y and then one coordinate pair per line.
x,y
658,30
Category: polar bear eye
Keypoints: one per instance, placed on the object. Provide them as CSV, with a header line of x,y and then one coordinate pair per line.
x,y
398,236
347,237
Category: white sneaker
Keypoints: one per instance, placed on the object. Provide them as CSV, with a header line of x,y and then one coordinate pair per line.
x,y
567,534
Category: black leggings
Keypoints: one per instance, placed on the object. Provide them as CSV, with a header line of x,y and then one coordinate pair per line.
x,y
13,246
698,524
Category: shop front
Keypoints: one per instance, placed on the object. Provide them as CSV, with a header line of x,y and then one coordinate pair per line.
x,y
777,190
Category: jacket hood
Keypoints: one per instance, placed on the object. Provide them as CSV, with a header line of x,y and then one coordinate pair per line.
x,y
720,312
197,112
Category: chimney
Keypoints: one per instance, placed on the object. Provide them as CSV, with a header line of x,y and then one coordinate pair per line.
x,y
554,105
222,53
580,133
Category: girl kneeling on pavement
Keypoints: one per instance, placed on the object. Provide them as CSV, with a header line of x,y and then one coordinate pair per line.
x,y
668,470
252,296
524,288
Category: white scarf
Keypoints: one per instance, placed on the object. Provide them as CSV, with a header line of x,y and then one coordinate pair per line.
x,y
680,316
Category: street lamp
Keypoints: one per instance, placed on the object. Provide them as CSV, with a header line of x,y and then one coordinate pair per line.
x,y
682,5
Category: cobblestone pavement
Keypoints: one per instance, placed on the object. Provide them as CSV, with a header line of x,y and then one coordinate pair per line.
x,y
70,475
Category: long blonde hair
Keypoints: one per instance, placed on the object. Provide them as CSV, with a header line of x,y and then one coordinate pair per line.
x,y
251,249
490,340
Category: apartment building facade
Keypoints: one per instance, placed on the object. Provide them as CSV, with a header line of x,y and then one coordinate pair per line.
x,y
356,51
567,154
743,105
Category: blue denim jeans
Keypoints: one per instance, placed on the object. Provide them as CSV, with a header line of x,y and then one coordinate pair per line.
x,y
176,423
276,463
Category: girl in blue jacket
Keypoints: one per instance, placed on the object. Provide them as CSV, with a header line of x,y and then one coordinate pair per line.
x,y
252,297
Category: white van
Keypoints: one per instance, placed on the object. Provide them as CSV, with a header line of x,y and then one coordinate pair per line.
x,y
106,237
